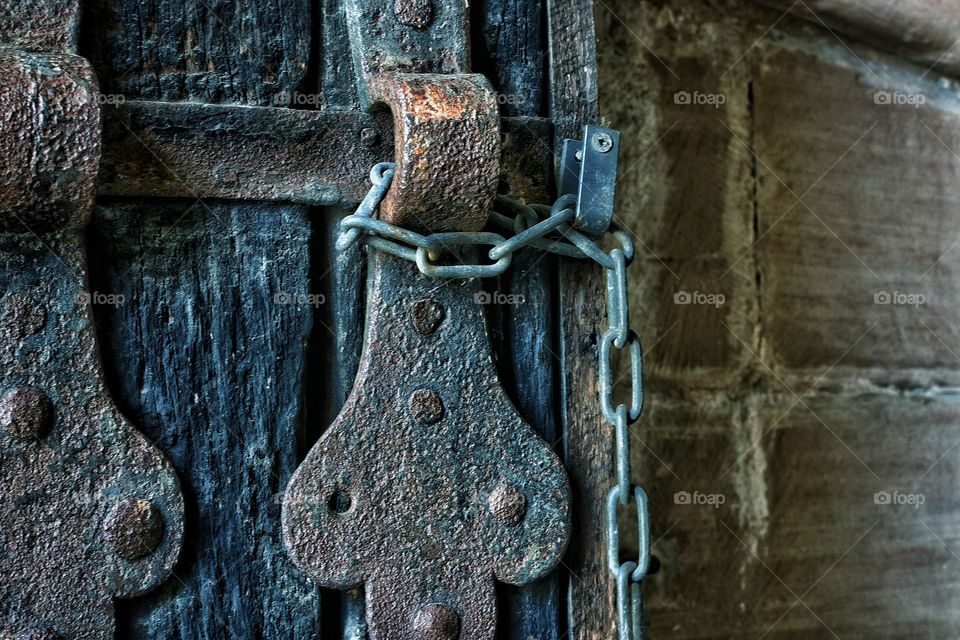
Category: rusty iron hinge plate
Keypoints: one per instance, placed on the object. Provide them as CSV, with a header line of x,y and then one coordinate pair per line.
x,y
90,510
429,484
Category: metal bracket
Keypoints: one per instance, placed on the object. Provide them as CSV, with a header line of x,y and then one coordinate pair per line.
x,y
589,171
90,510
428,485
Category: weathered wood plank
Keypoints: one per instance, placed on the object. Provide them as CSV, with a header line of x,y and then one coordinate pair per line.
x,y
212,51
528,362
508,47
588,439
205,355
341,343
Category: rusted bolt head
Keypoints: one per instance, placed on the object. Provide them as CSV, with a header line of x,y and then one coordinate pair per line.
x,y
437,622
25,412
133,528
369,136
427,315
507,504
602,142
426,406
21,316
39,634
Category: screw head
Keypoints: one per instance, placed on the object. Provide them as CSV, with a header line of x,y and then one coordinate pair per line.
x,y
602,142
25,412
426,406
133,528
427,315
437,622
507,504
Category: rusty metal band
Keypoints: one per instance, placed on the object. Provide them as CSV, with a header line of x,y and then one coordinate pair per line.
x,y
162,149
90,510
447,137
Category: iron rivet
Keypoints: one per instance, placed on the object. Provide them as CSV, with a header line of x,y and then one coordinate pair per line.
x,y
414,13
426,406
427,315
437,622
602,142
22,317
134,528
39,634
25,412
369,136
507,504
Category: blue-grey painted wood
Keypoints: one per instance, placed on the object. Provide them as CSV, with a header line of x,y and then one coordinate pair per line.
x,y
206,356
528,363
510,47
344,274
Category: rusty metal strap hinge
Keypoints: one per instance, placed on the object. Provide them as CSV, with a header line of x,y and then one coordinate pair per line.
x,y
90,510
428,486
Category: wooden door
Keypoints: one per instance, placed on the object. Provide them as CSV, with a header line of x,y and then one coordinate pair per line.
x,y
229,329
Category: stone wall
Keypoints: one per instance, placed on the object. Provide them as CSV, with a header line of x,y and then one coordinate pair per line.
x,y
794,196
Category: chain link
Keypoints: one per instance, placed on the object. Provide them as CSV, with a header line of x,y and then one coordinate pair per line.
x,y
553,234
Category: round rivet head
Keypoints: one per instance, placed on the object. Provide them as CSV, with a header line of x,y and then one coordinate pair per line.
x,y
25,412
437,622
133,528
427,315
507,504
426,406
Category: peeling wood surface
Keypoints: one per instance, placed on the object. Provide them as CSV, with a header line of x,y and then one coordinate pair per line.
x,y
588,443
216,51
206,355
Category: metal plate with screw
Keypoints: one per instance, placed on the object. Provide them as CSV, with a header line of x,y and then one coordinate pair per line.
x,y
589,171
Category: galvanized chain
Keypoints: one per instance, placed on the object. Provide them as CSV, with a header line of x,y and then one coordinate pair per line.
x,y
554,234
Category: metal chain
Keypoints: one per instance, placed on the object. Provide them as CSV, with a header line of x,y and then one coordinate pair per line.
x,y
553,234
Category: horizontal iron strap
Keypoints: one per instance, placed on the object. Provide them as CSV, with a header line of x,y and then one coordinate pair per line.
x,y
230,152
